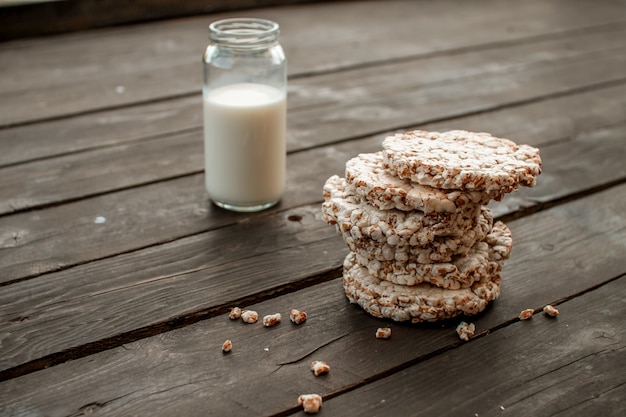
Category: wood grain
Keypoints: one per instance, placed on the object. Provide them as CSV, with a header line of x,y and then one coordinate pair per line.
x,y
117,273
113,168
165,118
570,371
133,217
188,363
44,83
138,218
44,316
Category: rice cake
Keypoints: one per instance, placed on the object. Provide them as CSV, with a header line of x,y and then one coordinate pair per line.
x,y
484,258
441,249
385,190
394,227
462,160
419,303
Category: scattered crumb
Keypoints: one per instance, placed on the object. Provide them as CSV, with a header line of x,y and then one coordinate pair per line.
x,y
502,408
297,316
319,367
310,402
526,314
550,311
100,220
235,313
383,333
271,319
227,346
249,316
465,330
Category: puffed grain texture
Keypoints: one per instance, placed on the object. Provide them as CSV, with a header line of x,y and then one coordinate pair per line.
x,y
484,258
462,160
419,303
384,190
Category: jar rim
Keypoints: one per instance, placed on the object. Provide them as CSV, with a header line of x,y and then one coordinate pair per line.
x,y
244,32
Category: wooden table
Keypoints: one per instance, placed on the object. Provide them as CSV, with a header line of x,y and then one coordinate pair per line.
x,y
117,274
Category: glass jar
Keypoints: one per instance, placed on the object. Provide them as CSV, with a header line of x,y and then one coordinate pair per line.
x,y
244,101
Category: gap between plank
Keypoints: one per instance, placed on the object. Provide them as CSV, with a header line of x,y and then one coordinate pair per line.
x,y
174,323
203,314
141,139
430,355
420,56
488,109
465,49
520,213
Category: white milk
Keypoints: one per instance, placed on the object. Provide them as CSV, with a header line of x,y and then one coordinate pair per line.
x,y
245,145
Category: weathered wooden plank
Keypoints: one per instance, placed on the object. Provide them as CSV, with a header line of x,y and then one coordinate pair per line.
x,y
135,217
99,171
135,123
187,363
191,271
43,82
100,130
424,104
114,168
45,316
419,72
541,367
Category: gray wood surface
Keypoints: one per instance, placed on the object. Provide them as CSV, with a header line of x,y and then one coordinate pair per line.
x,y
541,367
126,316
188,365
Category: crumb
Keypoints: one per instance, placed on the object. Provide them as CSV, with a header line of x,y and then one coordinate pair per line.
x,y
319,367
271,319
297,316
550,311
235,313
465,330
383,333
310,402
249,316
526,314
227,346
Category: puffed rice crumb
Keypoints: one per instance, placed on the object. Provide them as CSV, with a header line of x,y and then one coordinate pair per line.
x,y
271,319
235,313
465,330
227,346
310,402
383,333
297,316
319,368
551,311
526,314
249,316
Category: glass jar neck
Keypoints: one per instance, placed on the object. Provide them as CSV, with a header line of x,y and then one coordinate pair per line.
x,y
244,33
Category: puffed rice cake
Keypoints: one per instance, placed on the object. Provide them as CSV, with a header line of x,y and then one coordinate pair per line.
x,y
395,227
441,249
419,303
462,160
385,190
435,249
484,258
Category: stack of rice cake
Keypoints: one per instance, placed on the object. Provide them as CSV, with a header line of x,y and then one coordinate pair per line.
x,y
423,244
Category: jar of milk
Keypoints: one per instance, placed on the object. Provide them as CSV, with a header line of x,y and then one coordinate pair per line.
x,y
245,89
